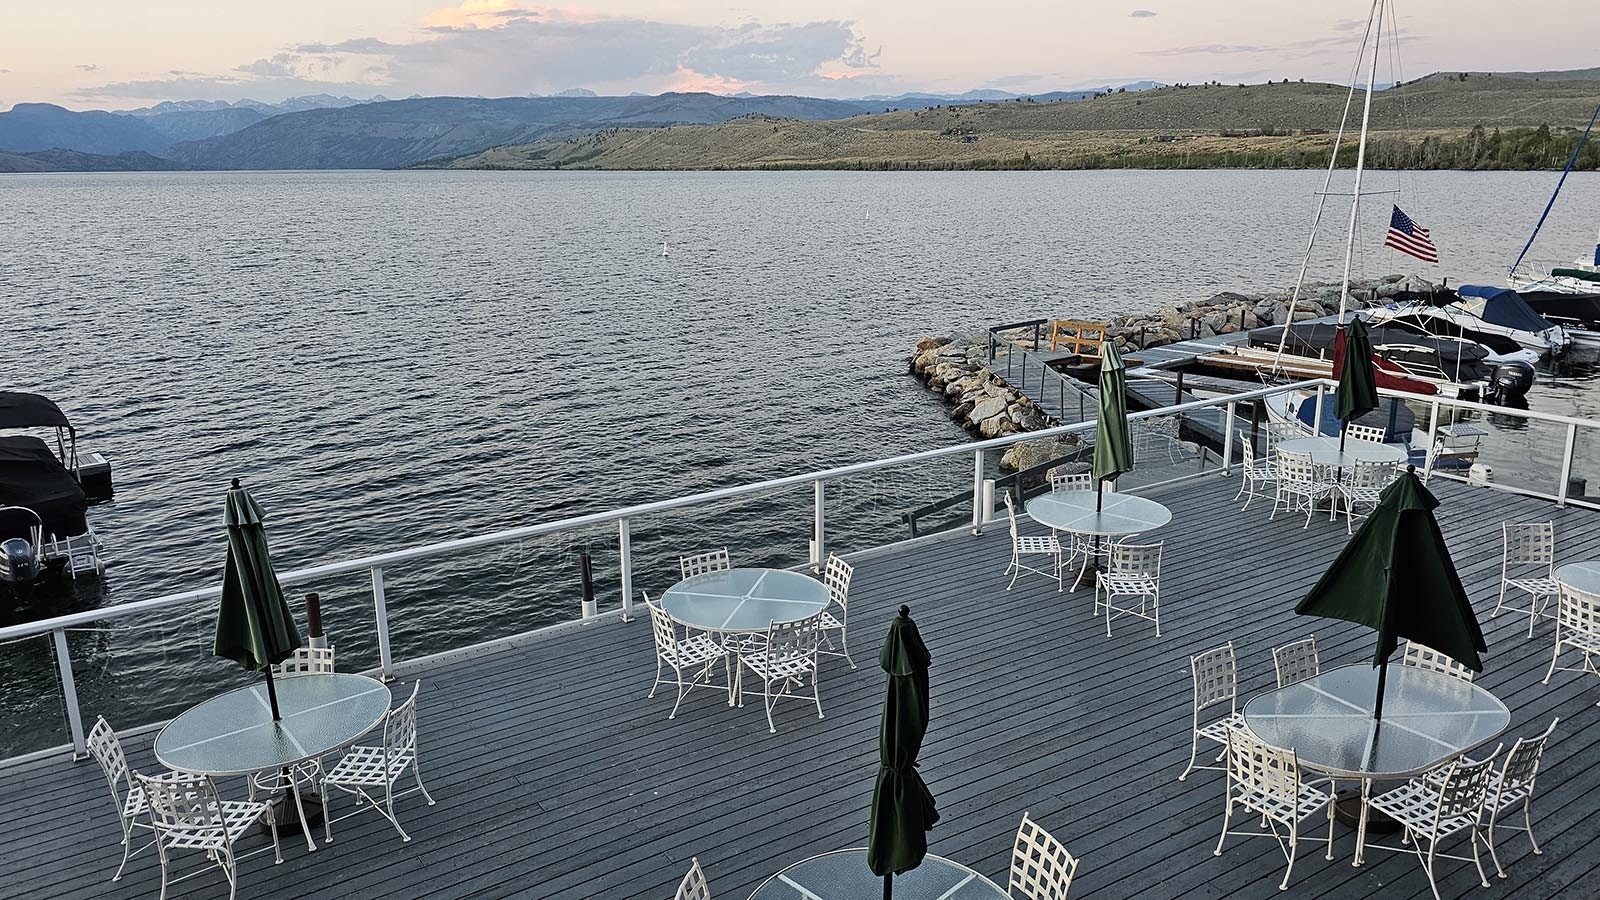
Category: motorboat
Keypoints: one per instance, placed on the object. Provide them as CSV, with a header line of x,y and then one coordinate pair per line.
x,y
44,526
1452,446
1496,317
1455,366
1578,313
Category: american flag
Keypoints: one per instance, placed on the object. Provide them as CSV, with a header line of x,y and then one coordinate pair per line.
x,y
1409,237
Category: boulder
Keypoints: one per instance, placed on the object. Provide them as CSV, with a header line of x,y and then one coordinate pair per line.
x,y
1027,454
931,343
986,409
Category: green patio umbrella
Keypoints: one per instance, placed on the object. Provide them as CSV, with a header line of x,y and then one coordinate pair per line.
x,y
902,806
254,625
1113,454
1357,393
1395,577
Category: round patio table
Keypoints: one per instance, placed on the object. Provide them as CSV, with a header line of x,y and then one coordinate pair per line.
x,y
234,734
1120,515
1582,576
1324,451
843,875
744,600
1428,718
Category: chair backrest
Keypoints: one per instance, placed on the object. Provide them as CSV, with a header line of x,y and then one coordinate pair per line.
x,y
1136,559
1296,662
1371,474
1041,867
1466,787
1263,769
400,726
661,625
836,578
693,886
308,661
1422,657
700,563
1296,467
1578,611
1249,449
1216,676
180,801
1011,511
1077,481
1521,766
107,751
1528,544
1372,434
793,640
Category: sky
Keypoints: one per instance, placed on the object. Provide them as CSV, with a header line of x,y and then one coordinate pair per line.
x,y
111,54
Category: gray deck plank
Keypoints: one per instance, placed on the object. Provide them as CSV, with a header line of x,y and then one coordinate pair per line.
x,y
557,778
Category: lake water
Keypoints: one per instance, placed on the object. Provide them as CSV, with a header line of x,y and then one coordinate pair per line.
x,y
396,358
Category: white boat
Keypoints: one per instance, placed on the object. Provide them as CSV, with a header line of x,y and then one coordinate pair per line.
x,y
1496,317
1581,276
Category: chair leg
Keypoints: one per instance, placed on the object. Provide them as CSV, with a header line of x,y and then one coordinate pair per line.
x,y
1227,815
1194,751
1488,839
300,809
1294,835
768,701
127,845
1502,601
816,692
658,680
388,800
1427,865
416,770
327,817
1155,610
682,689
844,642
1015,568
1533,612
272,825
1333,796
1472,835
1527,819
1556,657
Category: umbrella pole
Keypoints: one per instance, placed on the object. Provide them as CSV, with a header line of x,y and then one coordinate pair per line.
x,y
272,695
1377,705
888,887
1338,471
1099,486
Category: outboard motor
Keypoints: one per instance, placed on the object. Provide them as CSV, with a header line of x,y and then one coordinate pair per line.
x,y
1511,381
19,564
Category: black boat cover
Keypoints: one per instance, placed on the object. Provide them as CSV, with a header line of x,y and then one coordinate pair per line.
x,y
1316,339
1502,306
31,476
1577,307
19,410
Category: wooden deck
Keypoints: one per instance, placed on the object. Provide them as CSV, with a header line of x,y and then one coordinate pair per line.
x,y
555,777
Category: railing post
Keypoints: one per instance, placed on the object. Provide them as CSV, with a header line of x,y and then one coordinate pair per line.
x,y
625,550
380,610
1022,387
977,492
1436,442
1316,425
1566,464
69,693
991,345
818,552
1227,440
1036,336
988,500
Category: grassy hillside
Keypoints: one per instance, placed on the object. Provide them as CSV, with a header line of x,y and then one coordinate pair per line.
x,y
1450,120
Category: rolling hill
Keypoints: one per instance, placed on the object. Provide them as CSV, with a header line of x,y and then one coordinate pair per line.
x,y
1177,126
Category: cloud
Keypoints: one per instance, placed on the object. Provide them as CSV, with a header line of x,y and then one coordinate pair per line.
x,y
509,48
1142,14
1347,35
87,67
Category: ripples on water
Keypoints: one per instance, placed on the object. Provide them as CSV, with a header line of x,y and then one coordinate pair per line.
x,y
391,359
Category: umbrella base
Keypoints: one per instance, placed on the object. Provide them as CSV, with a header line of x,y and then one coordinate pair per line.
x,y
1347,809
286,816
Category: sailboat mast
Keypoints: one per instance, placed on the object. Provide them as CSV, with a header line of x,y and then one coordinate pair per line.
x,y
1361,154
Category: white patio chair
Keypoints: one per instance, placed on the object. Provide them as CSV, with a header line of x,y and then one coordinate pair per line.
x,y
1073,545
364,769
836,578
1577,627
1512,784
1133,571
1041,867
1029,546
1071,481
1267,780
1528,563
1257,475
1301,485
1296,662
308,661
693,886
1362,484
1371,434
700,563
789,657
126,794
1421,657
1216,680
187,814
1437,811
692,657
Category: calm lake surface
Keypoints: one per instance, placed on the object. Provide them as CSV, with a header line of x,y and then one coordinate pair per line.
x,y
395,358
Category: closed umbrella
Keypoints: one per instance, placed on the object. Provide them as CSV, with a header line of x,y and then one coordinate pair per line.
x,y
1357,391
1113,454
1395,577
902,806
254,625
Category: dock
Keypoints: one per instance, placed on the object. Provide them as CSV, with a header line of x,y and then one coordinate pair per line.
x,y
556,778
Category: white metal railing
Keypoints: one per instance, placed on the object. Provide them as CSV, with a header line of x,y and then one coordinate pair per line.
x,y
375,565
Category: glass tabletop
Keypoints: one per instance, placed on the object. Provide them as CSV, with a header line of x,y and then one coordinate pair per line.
x,y
744,599
1325,451
843,875
1120,514
1584,576
1428,717
233,733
